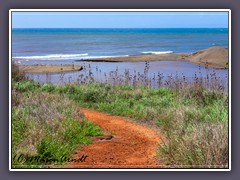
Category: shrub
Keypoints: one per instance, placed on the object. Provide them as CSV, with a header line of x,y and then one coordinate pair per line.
x,y
16,74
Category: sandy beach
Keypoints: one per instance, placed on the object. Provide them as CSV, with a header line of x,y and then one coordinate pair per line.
x,y
214,57
49,68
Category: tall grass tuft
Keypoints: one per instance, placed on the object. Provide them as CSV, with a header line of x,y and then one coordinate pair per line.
x,y
46,130
17,75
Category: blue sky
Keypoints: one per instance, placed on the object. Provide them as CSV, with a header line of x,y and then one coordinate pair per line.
x,y
119,19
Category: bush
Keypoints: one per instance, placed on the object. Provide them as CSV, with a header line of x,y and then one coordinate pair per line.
x,y
48,87
16,74
91,96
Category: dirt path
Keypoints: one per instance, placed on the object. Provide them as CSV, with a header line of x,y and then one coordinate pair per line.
x,y
132,145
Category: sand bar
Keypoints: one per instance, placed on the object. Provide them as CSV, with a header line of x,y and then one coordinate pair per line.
x,y
49,68
214,57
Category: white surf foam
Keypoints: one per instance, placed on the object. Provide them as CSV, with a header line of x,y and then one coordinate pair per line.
x,y
62,57
52,56
156,52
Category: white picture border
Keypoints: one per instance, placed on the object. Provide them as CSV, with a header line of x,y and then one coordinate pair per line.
x,y
117,10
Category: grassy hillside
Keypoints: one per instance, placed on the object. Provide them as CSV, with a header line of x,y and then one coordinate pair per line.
x,y
46,128
193,119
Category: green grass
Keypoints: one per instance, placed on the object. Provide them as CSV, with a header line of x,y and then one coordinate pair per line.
x,y
46,129
194,120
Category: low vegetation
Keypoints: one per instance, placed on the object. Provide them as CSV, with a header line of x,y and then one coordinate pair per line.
x,y
193,119
46,128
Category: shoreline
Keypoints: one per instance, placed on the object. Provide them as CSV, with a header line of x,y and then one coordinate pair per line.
x,y
213,57
38,69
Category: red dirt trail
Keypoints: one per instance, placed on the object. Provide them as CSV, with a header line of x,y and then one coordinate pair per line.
x,y
132,145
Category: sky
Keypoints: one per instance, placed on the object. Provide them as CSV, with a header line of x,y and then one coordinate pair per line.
x,y
119,19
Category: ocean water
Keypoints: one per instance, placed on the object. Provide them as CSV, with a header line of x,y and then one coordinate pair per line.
x,y
65,46
76,44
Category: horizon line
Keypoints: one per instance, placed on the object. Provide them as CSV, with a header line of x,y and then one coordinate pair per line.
x,y
119,28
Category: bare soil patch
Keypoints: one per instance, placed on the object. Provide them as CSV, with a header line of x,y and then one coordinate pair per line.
x,y
125,145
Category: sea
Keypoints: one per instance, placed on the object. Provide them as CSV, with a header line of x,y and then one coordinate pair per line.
x,y
77,44
70,46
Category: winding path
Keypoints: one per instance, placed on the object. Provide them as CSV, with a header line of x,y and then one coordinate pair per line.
x,y
132,145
